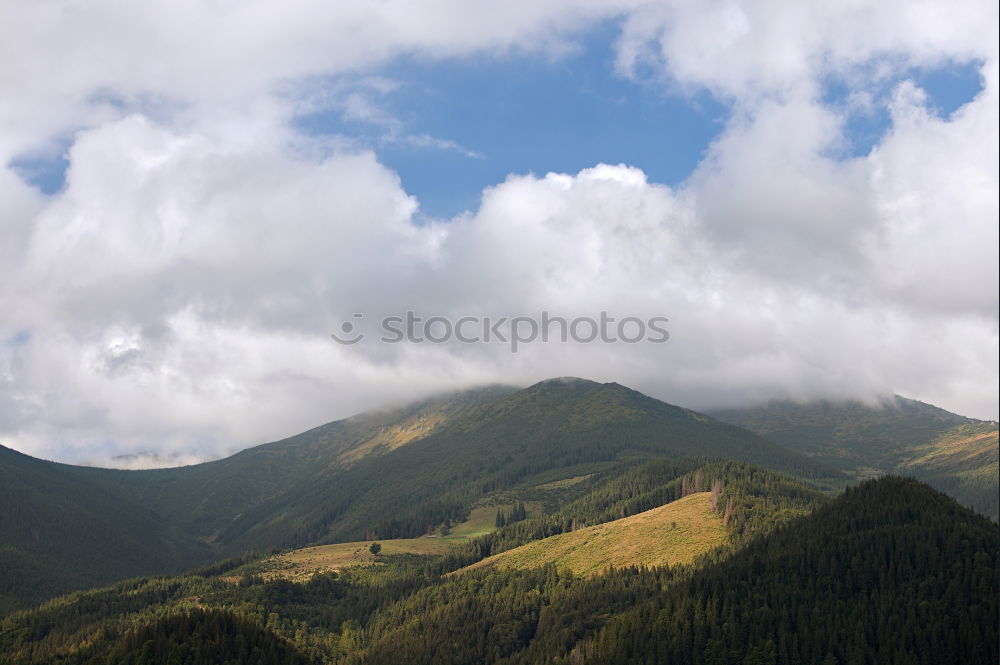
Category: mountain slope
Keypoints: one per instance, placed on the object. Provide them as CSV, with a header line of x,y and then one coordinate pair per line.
x,y
673,534
313,612
551,425
952,453
66,527
891,572
204,499
389,474
61,531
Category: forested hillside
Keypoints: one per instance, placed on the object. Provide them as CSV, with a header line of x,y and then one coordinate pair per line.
x,y
553,425
395,473
890,572
887,572
61,530
313,614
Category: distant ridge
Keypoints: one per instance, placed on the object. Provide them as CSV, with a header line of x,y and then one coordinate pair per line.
x,y
955,454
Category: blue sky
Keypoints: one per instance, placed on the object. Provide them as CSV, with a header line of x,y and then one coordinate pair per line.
x,y
529,113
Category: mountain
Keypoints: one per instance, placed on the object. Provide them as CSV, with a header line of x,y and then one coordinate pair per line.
x,y
952,453
890,572
394,473
61,528
204,499
554,425
590,523
65,527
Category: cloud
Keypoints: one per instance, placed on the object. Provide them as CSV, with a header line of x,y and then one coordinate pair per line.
x,y
753,50
70,65
177,295
936,192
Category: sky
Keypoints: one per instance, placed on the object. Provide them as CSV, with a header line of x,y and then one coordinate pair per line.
x,y
196,196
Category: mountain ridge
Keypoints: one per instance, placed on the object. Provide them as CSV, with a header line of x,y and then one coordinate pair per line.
x,y
392,473
953,453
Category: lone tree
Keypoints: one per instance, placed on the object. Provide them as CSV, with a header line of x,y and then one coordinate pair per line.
x,y
375,549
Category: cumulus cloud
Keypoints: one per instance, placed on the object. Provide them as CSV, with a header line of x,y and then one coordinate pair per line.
x,y
177,295
752,50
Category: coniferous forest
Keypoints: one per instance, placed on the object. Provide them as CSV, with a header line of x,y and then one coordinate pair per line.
x,y
890,572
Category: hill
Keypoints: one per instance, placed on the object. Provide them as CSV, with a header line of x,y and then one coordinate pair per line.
x,y
952,453
390,474
61,530
553,425
902,574
65,527
890,572
204,499
673,534
341,583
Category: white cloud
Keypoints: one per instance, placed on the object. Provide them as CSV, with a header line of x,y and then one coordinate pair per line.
x,y
67,65
177,295
775,48
936,191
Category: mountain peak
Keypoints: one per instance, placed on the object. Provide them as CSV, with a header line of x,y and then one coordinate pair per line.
x,y
564,381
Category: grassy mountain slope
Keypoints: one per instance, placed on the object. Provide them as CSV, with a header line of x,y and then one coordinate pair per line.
x,y
891,572
317,611
963,462
396,473
60,531
673,534
66,527
955,454
662,525
552,425
302,564
204,499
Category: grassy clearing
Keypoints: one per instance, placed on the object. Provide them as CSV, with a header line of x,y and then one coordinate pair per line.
x,y
967,447
672,534
565,482
481,520
400,434
300,565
